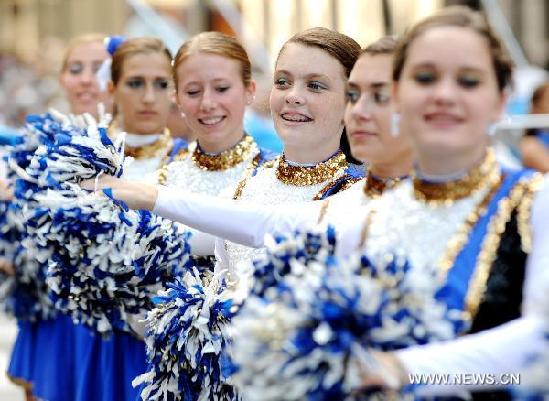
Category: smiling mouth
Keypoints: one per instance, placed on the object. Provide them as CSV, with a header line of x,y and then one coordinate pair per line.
x,y
211,120
295,118
363,134
442,119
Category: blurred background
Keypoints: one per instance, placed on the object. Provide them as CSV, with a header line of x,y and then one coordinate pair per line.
x,y
33,35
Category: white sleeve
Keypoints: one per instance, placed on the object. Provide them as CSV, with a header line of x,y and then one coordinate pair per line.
x,y
536,285
503,349
496,352
241,222
202,244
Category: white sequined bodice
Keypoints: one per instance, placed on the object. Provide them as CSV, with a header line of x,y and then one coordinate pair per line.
x,y
264,188
421,232
185,174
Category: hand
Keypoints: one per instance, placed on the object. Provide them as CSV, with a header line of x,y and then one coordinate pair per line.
x,y
7,267
137,195
387,372
6,192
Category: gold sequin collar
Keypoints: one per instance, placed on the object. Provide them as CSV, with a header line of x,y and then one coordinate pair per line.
x,y
310,175
158,148
227,159
375,186
480,176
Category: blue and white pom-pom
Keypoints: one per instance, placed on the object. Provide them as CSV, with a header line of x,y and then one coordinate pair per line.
x,y
104,261
291,254
307,338
187,342
25,294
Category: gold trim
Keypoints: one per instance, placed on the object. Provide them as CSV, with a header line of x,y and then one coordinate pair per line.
x,y
459,240
448,192
525,210
375,186
227,159
152,150
163,171
323,210
20,382
348,181
365,228
490,246
252,166
306,176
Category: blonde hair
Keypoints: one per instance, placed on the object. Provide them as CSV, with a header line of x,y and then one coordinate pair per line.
x,y
77,42
216,43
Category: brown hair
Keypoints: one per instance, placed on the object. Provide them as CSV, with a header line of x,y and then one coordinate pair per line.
x,y
539,92
216,43
79,41
132,47
341,47
382,46
463,17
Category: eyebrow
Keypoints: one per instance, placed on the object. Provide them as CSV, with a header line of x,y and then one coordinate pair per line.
x,y
308,76
373,85
428,64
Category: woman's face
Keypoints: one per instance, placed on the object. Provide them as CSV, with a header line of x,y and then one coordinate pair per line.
x,y
447,94
78,78
369,110
144,93
213,97
308,97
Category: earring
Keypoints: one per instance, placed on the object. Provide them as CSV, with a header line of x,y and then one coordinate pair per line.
x,y
395,122
492,128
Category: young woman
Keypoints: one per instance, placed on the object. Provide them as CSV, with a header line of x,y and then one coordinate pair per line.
x,y
475,218
82,60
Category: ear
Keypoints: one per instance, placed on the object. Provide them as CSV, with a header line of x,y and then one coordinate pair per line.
x,y
250,92
502,102
110,88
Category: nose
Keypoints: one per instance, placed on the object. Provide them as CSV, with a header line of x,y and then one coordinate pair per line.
x,y
207,102
149,96
87,77
361,109
294,96
444,91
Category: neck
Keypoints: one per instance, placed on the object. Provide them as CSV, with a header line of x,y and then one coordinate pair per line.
x,y
218,146
307,155
435,166
402,168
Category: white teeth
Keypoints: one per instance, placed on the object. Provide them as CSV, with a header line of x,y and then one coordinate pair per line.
x,y
295,117
211,120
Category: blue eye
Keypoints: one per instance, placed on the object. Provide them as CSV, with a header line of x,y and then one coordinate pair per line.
x,y
316,86
135,83
161,84
425,78
75,68
381,97
352,95
468,82
281,82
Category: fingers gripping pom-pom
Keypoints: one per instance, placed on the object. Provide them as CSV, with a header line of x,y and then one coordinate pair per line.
x,y
307,337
